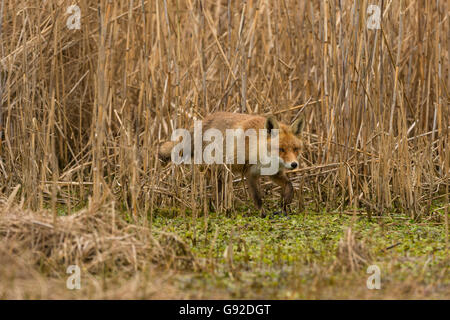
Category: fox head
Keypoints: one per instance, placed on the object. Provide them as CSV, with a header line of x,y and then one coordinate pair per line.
x,y
289,142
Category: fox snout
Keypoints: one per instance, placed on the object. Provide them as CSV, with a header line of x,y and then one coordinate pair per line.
x,y
289,156
290,165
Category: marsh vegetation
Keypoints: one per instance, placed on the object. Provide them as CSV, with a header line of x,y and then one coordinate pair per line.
x,y
83,111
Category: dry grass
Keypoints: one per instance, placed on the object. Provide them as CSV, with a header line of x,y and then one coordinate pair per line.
x,y
99,240
83,111
352,253
36,253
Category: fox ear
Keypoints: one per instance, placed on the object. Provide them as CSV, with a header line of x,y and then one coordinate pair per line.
x,y
271,123
297,126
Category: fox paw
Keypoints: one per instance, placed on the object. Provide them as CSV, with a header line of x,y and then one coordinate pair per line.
x,y
262,213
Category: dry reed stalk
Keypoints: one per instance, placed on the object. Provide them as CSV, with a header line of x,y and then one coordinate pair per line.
x,y
83,111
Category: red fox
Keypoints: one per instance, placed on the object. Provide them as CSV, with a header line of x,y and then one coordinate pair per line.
x,y
288,151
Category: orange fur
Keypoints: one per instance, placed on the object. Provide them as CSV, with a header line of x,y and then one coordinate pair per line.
x,y
290,146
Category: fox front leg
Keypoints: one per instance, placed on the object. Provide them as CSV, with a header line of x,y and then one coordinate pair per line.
x,y
254,190
287,190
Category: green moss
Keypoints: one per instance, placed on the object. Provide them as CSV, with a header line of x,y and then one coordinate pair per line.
x,y
278,251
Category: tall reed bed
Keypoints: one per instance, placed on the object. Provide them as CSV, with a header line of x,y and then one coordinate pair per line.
x,y
83,111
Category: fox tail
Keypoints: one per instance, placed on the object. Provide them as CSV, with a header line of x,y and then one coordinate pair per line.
x,y
165,150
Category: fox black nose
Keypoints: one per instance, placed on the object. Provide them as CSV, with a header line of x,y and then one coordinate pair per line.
x,y
294,165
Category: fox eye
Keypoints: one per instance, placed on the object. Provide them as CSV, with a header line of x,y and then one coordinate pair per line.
x,y
281,149
296,150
